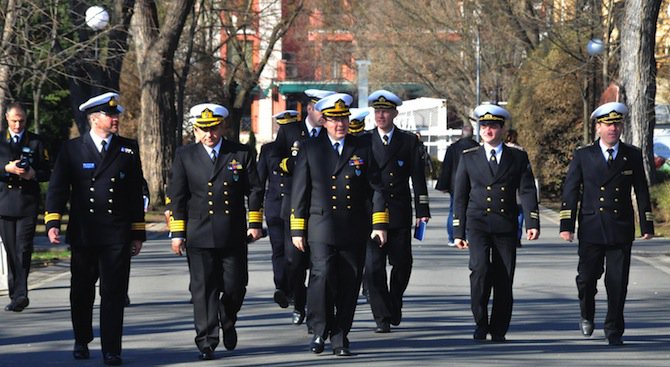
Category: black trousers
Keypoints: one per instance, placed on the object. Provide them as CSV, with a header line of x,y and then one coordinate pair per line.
x,y
334,283
17,236
111,264
218,284
297,263
277,239
492,265
386,300
593,260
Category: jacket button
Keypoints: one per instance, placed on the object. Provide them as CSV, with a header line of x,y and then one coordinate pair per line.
x,y
348,196
334,207
348,206
113,179
110,201
347,177
616,211
226,202
111,190
502,188
210,184
9,186
210,202
616,200
347,187
502,210
602,199
488,210
488,199
91,200
225,183
92,189
390,173
502,200
91,210
227,211
602,188
333,177
210,193
488,188
211,212
601,209
334,197
109,211
333,187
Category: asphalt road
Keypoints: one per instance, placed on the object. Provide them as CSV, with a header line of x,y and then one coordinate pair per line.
x,y
436,329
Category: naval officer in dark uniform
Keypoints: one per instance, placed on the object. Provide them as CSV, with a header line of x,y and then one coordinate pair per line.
x,y
600,178
210,180
399,155
334,181
100,174
287,144
485,212
269,175
26,165
357,120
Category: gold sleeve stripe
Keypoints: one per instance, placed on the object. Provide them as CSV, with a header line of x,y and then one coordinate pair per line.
x,y
297,223
282,165
48,217
256,216
138,226
649,216
167,200
534,215
457,222
380,217
423,199
177,225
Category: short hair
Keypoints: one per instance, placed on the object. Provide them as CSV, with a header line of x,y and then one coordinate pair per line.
x,y
15,106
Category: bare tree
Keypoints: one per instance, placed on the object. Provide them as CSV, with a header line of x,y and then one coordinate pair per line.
x,y
155,46
6,47
638,75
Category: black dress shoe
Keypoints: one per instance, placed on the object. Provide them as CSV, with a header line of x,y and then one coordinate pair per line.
x,y
479,334
317,345
80,351
498,338
342,352
395,319
383,328
586,327
230,338
280,298
615,341
112,359
298,317
207,354
20,303
10,306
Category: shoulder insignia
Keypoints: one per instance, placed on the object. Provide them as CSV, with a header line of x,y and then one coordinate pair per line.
x,y
469,150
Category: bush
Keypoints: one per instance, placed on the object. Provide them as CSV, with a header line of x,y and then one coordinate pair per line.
x,y
660,201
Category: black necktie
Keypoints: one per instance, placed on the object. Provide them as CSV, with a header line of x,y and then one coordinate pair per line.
x,y
313,133
16,140
493,162
103,150
610,157
213,156
386,139
336,146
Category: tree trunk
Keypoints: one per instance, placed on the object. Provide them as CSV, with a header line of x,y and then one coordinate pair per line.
x,y
5,51
155,50
638,76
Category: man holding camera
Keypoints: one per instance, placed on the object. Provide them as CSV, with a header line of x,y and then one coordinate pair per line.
x,y
25,165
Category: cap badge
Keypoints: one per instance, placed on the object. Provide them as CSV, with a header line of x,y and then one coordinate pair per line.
x,y
112,102
206,114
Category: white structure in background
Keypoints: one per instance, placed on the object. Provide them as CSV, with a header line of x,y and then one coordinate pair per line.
x,y
428,117
3,269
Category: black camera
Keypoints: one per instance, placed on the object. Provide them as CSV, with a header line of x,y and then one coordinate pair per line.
x,y
26,158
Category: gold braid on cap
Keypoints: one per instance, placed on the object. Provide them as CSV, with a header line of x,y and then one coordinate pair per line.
x,y
356,126
383,103
286,118
491,117
207,119
339,109
610,118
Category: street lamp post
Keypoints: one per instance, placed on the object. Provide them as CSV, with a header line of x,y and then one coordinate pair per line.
x,y
594,48
97,18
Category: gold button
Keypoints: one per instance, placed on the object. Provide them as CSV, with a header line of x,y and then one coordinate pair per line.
x,y
502,188
333,187
225,183
391,184
225,192
391,195
93,179
488,199
210,202
211,212
113,179
281,185
348,187
348,196
20,187
10,186
333,177
616,200
347,177
502,210
210,193
282,194
502,200
334,207
602,188
111,190
488,210
348,206
110,201
602,199
226,202
601,209
92,200
227,211
109,211
616,189
92,189
91,210
210,184
616,211
334,197
488,188
390,173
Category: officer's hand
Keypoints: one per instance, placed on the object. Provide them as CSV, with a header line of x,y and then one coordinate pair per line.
x,y
12,168
178,246
422,219
299,243
254,234
461,244
27,174
135,247
381,234
54,235
533,234
167,215
567,235
647,236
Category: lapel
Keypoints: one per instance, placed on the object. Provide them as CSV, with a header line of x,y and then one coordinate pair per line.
x,y
505,162
380,152
618,163
221,160
113,150
482,164
90,152
347,151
